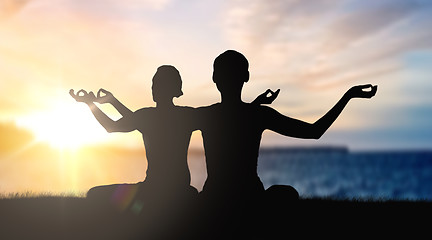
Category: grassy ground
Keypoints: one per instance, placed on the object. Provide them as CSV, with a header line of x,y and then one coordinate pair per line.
x,y
70,217
63,217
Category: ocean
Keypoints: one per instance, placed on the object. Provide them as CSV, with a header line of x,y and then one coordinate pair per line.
x,y
342,174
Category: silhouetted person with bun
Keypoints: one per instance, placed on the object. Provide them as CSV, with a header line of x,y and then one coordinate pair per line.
x,y
166,131
232,130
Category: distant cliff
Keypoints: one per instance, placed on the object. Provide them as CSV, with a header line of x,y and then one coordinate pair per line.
x,y
318,149
291,150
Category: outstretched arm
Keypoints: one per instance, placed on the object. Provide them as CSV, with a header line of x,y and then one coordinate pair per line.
x,y
124,124
296,128
321,126
109,98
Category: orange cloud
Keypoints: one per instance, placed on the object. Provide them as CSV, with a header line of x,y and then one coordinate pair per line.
x,y
12,138
11,7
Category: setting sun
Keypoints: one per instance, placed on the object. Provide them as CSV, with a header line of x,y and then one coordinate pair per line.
x,y
313,52
66,124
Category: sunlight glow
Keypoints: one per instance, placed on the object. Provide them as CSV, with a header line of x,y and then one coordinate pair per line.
x,y
67,125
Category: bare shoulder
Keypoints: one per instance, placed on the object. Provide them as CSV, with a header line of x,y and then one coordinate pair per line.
x,y
263,109
185,111
143,111
208,108
185,108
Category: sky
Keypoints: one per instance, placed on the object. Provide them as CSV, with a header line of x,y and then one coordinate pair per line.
x,y
313,51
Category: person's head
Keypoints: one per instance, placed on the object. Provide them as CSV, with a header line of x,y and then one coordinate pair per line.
x,y
230,71
167,84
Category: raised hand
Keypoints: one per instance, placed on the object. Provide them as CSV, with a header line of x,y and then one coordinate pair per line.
x,y
362,91
83,96
265,98
108,97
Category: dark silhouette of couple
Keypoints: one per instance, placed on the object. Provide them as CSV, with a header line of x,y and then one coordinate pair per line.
x,y
231,132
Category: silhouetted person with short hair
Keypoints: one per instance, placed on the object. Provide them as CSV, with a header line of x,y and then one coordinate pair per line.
x,y
232,132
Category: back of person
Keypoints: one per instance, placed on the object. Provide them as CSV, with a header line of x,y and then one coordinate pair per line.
x,y
166,135
232,135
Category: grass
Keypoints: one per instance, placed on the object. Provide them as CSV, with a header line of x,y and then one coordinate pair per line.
x,y
71,216
30,194
66,216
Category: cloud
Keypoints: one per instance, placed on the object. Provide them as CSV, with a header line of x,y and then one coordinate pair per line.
x,y
51,48
315,50
131,4
55,45
10,7
309,44
257,23
13,138
367,20
113,10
